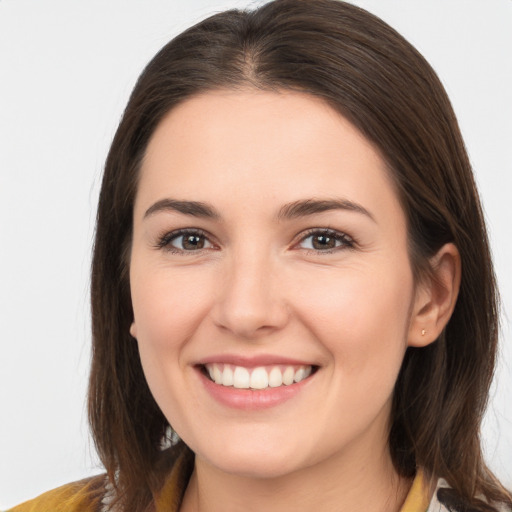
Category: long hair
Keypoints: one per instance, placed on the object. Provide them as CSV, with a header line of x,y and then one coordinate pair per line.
x,y
373,77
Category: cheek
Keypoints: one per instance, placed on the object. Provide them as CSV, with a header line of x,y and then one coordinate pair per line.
x,y
167,310
167,305
361,315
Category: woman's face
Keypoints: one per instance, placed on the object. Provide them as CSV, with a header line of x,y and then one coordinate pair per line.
x,y
271,285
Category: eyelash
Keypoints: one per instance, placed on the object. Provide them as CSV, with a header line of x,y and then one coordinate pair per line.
x,y
345,241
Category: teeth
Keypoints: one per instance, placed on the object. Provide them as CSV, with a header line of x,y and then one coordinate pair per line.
x,y
275,377
227,376
241,378
288,375
217,375
299,375
258,378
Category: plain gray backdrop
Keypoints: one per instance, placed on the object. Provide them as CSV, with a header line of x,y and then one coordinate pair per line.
x,y
66,70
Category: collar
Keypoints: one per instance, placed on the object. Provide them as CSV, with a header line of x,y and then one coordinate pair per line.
x,y
171,495
418,498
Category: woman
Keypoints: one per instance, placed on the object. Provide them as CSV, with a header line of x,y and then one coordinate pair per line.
x,y
291,270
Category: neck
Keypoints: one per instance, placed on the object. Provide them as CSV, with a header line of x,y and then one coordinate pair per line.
x,y
365,484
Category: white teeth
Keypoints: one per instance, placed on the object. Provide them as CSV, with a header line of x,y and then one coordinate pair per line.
x,y
217,374
275,377
299,375
241,378
258,378
288,375
227,376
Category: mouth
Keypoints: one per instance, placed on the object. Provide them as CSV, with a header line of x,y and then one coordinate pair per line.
x,y
256,378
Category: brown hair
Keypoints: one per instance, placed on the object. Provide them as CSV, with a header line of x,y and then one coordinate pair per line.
x,y
378,81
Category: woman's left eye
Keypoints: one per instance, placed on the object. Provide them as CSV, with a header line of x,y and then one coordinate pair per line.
x,y
325,241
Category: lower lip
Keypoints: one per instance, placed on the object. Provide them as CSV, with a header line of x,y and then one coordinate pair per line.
x,y
252,399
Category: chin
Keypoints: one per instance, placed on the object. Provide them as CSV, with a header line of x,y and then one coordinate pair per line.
x,y
262,458
254,465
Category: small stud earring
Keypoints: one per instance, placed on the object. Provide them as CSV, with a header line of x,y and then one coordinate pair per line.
x,y
423,332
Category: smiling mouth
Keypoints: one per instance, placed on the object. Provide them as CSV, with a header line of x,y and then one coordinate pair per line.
x,y
258,378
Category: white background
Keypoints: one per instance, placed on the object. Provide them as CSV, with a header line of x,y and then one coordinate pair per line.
x,y
66,69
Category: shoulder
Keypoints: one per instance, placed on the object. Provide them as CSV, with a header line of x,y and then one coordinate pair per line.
x,y
96,494
82,496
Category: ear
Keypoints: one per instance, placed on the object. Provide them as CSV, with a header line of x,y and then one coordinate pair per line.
x,y
133,330
435,297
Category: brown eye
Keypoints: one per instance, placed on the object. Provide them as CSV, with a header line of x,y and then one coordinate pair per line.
x,y
192,242
185,241
325,241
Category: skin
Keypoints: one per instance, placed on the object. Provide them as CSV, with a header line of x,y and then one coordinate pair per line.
x,y
259,286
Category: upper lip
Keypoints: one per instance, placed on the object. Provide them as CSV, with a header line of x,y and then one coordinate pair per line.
x,y
253,361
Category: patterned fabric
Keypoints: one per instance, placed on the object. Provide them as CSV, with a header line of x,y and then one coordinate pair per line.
x,y
437,503
444,500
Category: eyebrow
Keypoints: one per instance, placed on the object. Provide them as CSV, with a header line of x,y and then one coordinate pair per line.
x,y
193,208
307,207
301,208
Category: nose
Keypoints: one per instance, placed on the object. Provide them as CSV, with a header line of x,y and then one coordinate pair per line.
x,y
251,301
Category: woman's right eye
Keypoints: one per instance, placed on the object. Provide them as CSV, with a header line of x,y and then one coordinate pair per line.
x,y
185,241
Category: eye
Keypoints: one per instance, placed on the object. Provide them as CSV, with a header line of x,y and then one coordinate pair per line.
x,y
186,240
325,240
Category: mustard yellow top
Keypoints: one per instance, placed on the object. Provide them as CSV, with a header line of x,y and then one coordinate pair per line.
x,y
75,497
86,495
418,498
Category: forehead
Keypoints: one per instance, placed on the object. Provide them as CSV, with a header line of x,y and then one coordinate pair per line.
x,y
234,119
274,145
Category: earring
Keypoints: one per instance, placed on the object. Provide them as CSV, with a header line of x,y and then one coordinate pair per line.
x,y
423,332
